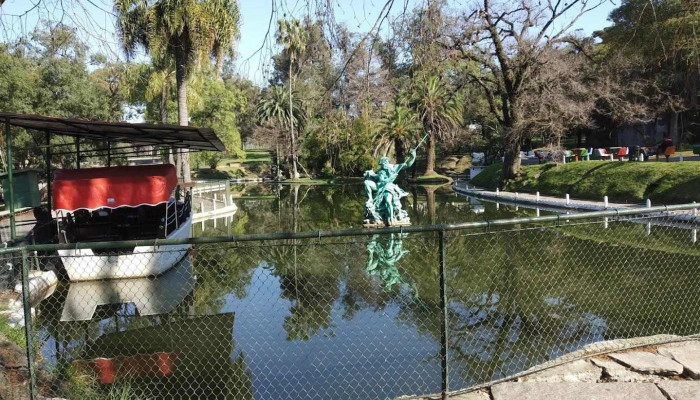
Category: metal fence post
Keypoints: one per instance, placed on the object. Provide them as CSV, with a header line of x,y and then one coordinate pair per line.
x,y
443,318
10,197
29,337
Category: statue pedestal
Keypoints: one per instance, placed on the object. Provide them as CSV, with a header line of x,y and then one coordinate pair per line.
x,y
381,224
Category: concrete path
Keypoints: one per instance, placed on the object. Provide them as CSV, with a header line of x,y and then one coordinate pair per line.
x,y
663,372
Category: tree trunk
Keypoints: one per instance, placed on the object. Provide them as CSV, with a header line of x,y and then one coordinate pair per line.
x,y
673,128
430,167
182,115
399,151
294,172
430,200
511,161
164,118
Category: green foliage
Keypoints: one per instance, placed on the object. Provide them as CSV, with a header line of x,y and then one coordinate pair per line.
x,y
273,108
340,145
222,104
660,41
438,109
46,76
293,36
83,385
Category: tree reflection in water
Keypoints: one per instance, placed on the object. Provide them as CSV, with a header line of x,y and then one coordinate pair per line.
x,y
322,313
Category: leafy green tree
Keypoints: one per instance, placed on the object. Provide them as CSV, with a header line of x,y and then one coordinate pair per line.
x,y
222,103
399,127
438,110
189,31
276,110
658,44
293,37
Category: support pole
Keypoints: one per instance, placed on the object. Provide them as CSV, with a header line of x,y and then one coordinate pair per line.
x,y
443,319
648,226
10,197
228,192
48,170
29,337
77,153
109,153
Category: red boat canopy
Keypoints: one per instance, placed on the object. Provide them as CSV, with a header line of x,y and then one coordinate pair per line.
x,y
112,187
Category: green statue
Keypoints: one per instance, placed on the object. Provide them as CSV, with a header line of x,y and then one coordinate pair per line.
x,y
383,206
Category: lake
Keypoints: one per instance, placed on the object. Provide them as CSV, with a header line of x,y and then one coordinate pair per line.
x,y
358,317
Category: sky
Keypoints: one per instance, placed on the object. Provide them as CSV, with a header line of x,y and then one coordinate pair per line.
x,y
96,23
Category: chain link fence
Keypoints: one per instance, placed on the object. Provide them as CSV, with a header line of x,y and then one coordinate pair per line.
x,y
358,314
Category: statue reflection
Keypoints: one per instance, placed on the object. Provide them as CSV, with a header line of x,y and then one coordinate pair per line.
x,y
383,254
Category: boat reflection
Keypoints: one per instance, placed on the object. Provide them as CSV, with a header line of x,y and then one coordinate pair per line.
x,y
150,296
143,334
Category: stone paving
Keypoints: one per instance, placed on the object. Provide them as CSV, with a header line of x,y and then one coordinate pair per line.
x,y
663,372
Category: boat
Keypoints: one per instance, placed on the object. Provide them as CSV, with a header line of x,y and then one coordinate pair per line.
x,y
115,204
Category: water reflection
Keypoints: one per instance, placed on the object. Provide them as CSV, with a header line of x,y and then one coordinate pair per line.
x,y
264,208
142,336
148,296
383,255
359,318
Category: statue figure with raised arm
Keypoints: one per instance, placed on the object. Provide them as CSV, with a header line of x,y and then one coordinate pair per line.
x,y
383,206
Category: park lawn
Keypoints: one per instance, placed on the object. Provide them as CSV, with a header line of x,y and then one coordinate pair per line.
x,y
432,178
251,157
663,183
235,167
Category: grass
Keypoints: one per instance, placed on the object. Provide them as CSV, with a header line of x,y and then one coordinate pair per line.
x,y
251,157
251,166
432,178
463,164
663,183
13,334
83,385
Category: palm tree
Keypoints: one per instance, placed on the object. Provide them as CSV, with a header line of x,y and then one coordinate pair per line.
x,y
438,110
292,35
189,31
399,126
275,109
158,86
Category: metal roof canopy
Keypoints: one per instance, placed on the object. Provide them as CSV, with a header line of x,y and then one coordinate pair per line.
x,y
186,137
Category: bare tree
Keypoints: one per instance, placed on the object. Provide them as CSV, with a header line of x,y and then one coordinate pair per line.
x,y
512,45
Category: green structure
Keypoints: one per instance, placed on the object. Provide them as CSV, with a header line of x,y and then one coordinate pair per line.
x,y
383,206
25,187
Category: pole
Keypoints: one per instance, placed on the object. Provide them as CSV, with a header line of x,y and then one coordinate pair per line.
x,y
109,153
443,319
48,170
10,199
77,153
29,337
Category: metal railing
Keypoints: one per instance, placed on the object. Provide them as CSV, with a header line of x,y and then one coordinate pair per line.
x,y
357,313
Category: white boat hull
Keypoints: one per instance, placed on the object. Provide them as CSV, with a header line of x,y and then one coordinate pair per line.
x,y
144,261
